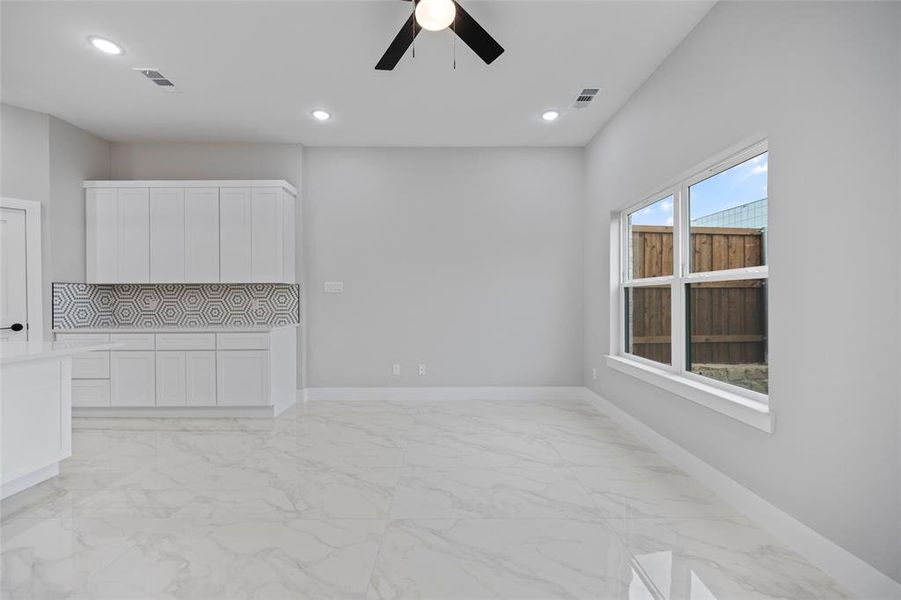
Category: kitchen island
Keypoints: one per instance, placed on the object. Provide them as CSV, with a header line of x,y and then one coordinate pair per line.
x,y
36,410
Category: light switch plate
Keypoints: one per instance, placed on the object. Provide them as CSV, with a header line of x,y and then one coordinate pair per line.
x,y
334,287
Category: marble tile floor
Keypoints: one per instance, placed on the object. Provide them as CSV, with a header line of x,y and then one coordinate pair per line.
x,y
456,500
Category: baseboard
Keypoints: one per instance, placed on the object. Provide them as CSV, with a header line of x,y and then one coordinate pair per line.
x,y
425,394
26,481
192,412
855,574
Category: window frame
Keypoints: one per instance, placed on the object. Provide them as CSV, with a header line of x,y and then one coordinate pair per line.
x,y
676,376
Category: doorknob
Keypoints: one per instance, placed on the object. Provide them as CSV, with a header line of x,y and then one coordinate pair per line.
x,y
14,327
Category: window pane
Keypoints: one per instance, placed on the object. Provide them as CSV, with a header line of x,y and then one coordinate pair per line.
x,y
728,325
728,218
648,332
651,240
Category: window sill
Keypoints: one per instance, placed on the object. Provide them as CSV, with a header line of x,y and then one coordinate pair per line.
x,y
732,405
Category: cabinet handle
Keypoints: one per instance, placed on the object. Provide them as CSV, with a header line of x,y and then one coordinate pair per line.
x,y
14,327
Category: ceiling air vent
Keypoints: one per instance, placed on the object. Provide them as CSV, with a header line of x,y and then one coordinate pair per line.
x,y
161,81
585,97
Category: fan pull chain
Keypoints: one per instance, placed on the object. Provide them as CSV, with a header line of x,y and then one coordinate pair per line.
x,y
413,43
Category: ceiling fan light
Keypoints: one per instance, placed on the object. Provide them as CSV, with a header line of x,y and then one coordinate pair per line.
x,y
435,15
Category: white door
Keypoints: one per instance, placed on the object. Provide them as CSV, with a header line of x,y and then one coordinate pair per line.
x,y
134,235
267,226
102,236
234,235
290,274
167,235
13,276
242,378
132,381
170,378
201,378
202,235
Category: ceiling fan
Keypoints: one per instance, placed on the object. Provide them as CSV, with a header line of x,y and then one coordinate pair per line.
x,y
435,15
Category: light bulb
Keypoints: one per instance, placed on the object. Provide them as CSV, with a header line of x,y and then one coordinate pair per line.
x,y
435,15
105,46
550,115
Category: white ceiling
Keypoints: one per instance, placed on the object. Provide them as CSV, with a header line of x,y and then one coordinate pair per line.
x,y
252,71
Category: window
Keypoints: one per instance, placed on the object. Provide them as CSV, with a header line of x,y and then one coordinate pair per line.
x,y
694,278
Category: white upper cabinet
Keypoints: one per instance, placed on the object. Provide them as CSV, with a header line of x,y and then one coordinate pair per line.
x,y
202,235
102,223
134,236
235,244
190,231
167,235
118,235
267,227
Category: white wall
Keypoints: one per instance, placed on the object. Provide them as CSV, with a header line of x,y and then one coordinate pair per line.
x,y
158,160
75,155
207,161
822,80
46,159
468,260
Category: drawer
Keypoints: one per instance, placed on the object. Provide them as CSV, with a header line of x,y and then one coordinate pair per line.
x,y
242,341
133,341
93,365
90,392
186,341
89,338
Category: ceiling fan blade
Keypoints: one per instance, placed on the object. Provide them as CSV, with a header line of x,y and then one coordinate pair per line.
x,y
399,45
475,36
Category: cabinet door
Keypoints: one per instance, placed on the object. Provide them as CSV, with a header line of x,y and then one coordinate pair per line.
x,y
167,235
267,222
202,235
90,392
170,379
92,365
134,235
242,378
234,235
290,229
201,378
132,379
101,233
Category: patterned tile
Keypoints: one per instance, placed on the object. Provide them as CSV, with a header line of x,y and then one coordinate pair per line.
x,y
174,305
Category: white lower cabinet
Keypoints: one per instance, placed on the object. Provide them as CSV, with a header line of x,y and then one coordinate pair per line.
x,y
200,378
170,379
132,380
209,370
90,392
243,377
185,378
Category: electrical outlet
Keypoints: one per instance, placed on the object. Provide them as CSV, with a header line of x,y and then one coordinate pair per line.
x,y
395,370
421,369
594,372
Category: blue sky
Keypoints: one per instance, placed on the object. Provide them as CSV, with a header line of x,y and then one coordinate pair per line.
x,y
739,185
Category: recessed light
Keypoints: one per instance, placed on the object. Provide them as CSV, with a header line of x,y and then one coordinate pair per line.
x,y
321,115
550,115
106,46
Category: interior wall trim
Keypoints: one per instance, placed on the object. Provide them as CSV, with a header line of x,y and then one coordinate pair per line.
x,y
849,570
320,394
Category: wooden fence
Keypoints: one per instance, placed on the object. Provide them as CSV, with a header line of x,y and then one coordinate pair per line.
x,y
727,319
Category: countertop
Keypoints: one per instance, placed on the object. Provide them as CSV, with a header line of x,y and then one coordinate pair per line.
x,y
17,352
207,329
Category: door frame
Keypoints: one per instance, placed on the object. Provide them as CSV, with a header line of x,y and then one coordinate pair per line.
x,y
35,300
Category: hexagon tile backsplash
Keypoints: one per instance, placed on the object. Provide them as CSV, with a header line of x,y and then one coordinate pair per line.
x,y
175,305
